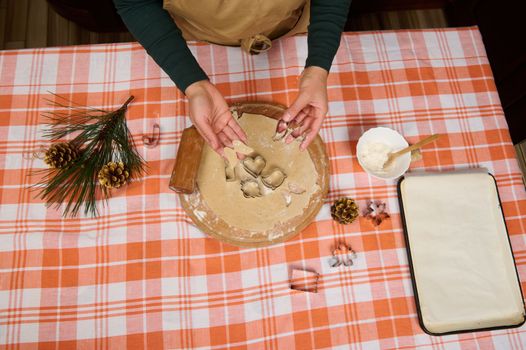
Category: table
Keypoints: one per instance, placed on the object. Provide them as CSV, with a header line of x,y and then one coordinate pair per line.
x,y
141,275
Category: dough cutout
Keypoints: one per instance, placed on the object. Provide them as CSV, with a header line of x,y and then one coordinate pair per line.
x,y
232,160
240,147
296,188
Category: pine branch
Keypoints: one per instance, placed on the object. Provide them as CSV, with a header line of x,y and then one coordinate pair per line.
x,y
101,137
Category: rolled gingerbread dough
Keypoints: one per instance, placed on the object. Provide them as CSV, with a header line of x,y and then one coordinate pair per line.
x,y
270,211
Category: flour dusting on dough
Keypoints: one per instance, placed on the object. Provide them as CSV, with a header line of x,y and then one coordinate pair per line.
x,y
200,214
273,234
193,199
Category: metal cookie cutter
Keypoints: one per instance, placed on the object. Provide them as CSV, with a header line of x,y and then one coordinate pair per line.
x,y
38,154
375,212
153,140
342,254
304,280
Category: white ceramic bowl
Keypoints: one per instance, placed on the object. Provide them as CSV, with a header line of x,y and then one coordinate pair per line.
x,y
392,139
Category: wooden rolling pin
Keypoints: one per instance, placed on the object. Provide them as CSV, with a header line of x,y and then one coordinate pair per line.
x,y
184,173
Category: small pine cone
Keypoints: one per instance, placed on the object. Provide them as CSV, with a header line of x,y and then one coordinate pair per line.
x,y
61,155
113,175
344,210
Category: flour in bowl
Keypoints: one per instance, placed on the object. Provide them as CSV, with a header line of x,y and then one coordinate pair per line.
x,y
374,155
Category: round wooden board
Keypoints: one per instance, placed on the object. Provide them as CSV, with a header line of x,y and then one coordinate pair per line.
x,y
201,215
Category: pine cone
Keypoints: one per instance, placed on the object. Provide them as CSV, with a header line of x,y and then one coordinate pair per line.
x,y
344,210
61,155
113,175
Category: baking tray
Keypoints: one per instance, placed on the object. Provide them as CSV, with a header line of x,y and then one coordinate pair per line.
x,y
412,269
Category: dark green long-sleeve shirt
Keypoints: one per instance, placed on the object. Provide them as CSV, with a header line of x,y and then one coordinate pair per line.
x,y
155,29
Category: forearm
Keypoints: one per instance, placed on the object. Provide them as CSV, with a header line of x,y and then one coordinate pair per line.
x,y
327,21
153,27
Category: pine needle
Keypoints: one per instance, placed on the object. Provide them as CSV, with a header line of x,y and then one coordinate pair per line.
x,y
101,136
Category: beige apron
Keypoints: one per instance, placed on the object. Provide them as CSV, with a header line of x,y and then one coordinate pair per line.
x,y
251,24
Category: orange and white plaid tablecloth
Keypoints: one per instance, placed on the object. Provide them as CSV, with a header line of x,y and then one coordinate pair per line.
x,y
142,276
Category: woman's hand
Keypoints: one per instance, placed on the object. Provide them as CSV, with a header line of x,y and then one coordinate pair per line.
x,y
211,116
309,108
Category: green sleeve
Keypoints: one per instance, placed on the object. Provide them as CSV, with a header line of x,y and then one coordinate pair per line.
x,y
153,27
327,19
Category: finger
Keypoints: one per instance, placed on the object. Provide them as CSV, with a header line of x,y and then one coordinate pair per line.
x,y
299,124
237,129
296,123
225,140
222,120
306,125
208,134
296,107
300,130
228,141
230,133
282,126
312,132
304,113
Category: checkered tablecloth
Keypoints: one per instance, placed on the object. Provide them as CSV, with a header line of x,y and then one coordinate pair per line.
x,y
142,276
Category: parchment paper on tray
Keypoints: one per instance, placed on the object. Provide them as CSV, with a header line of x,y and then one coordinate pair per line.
x,y
463,271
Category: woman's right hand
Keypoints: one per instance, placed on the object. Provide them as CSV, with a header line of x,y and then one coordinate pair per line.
x,y
211,116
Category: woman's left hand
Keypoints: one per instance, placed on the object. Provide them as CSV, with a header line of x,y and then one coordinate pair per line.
x,y
309,108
